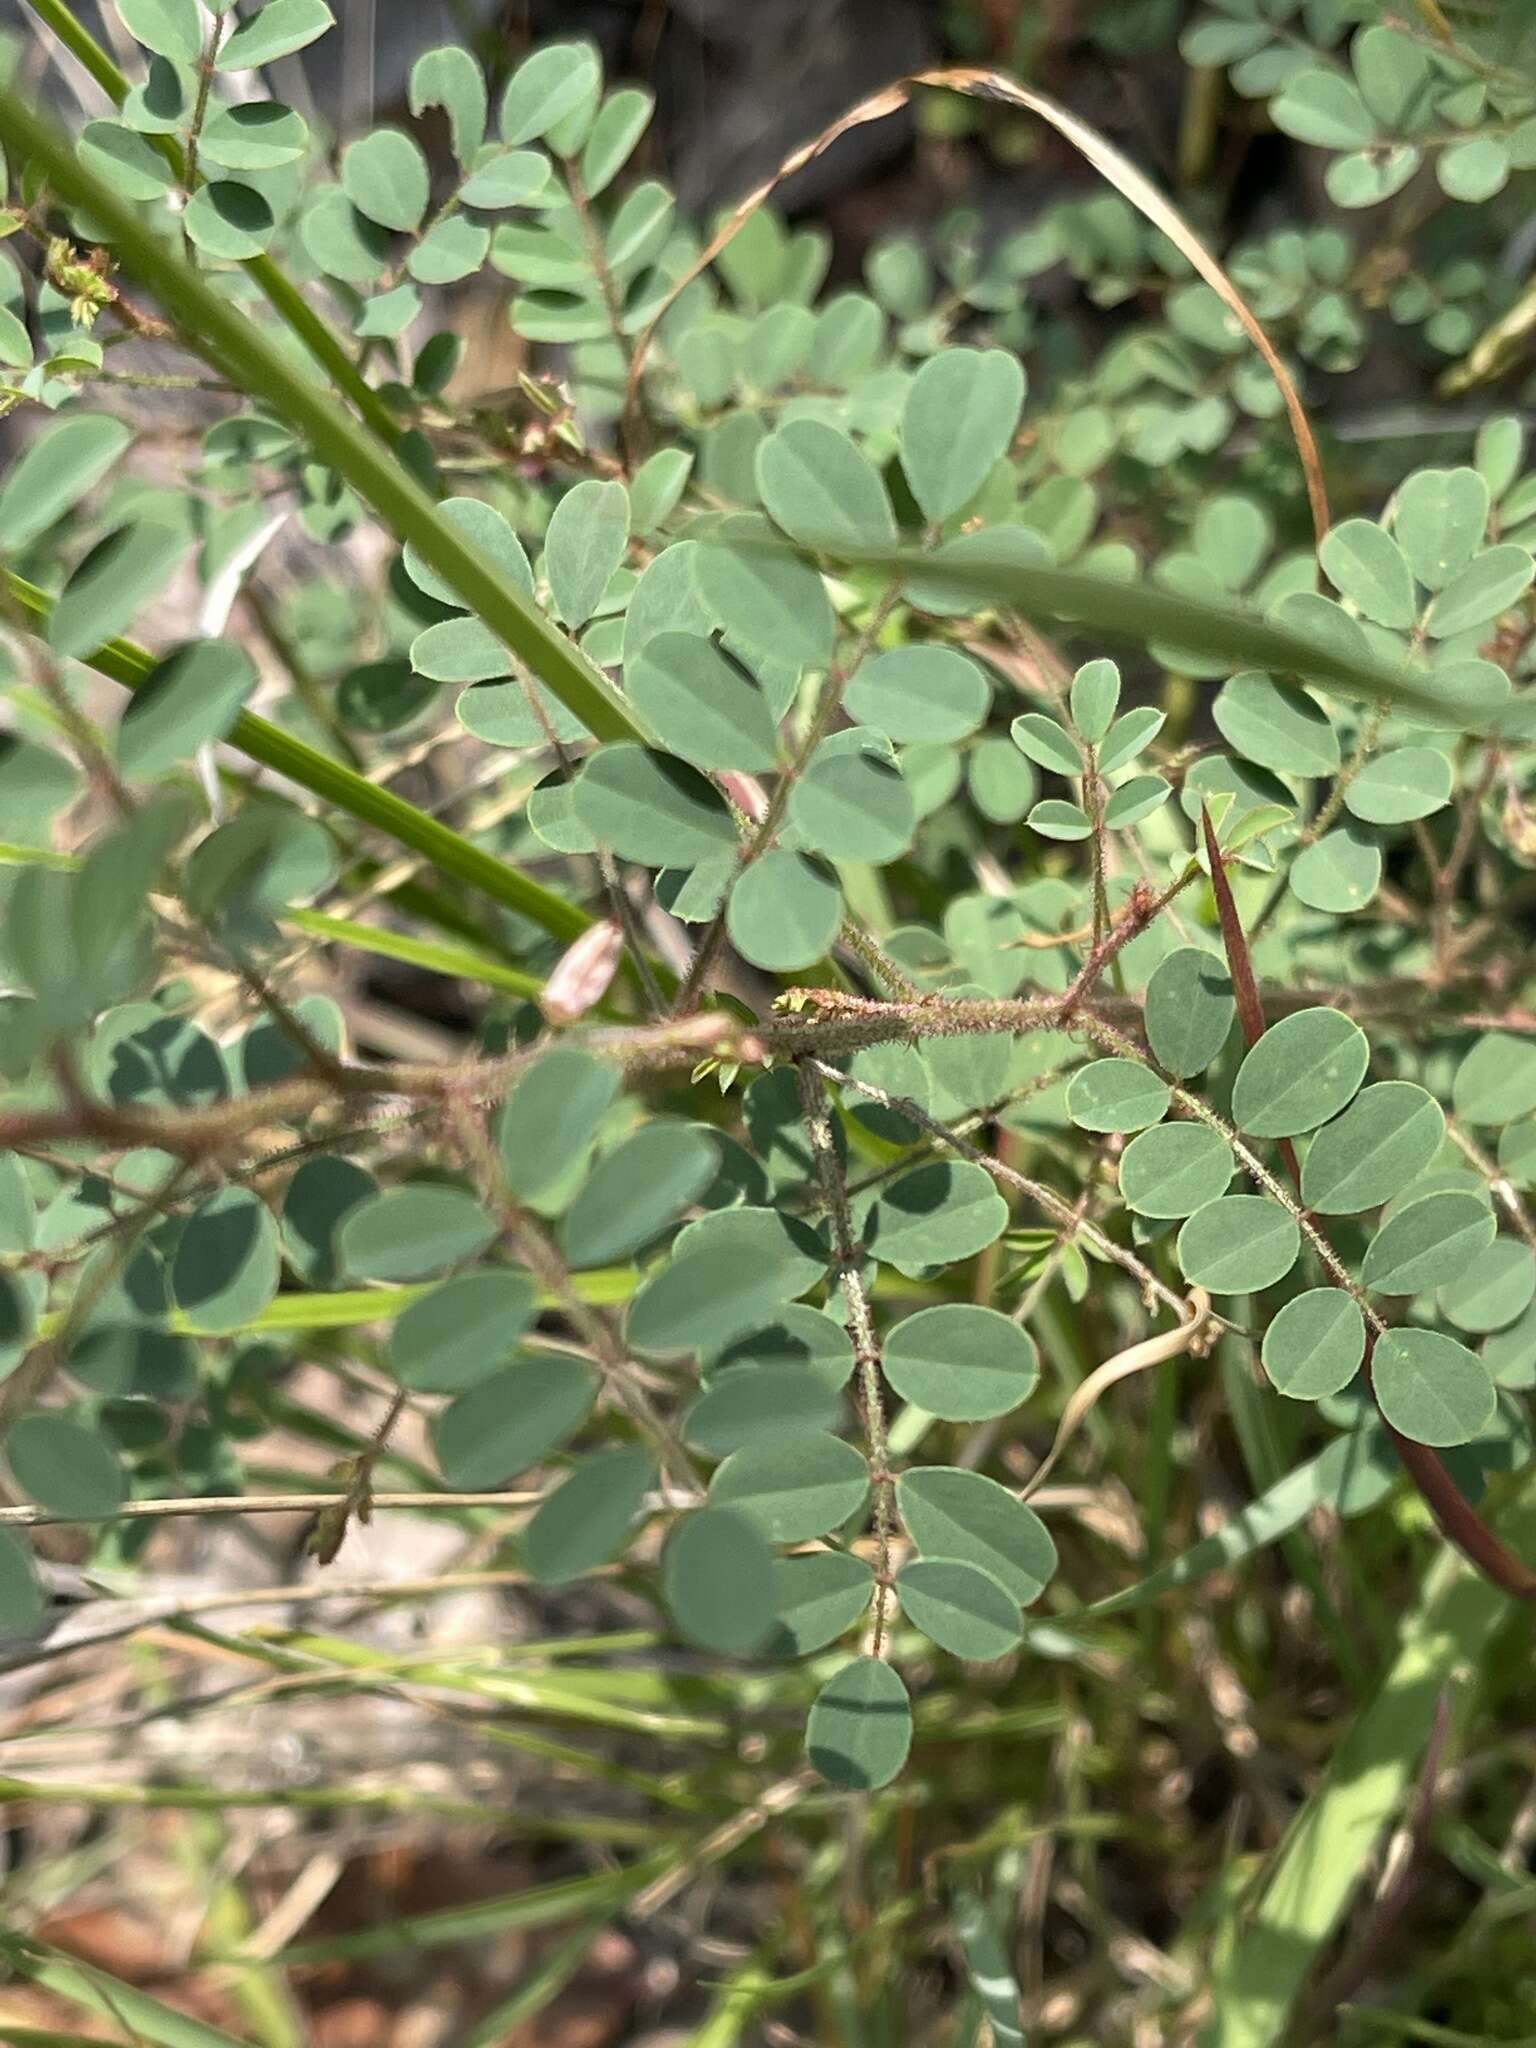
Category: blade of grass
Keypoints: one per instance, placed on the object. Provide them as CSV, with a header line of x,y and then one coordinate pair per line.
x,y
988,1967
1370,1775
533,1906
1282,1507
216,329
605,1287
464,962
142,2018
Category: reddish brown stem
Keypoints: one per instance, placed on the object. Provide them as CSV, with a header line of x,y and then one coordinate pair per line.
x,y
1455,1515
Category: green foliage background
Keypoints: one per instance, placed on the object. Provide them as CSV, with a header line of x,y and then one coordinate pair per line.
x,y
964,895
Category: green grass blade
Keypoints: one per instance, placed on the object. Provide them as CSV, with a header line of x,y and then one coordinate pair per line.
x,y
221,332
142,2019
1370,1775
532,1906
439,957
1144,613
990,1972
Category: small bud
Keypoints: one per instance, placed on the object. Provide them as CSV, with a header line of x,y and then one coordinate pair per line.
x,y
746,793
582,974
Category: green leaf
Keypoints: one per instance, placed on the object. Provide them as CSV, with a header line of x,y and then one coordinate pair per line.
x,y
1496,1082
1054,819
340,242
1095,694
451,78
729,1273
1492,1290
784,911
1403,784
259,135
1473,170
550,84
171,28
65,1466
1429,1241
1385,1139
761,1407
1116,1095
798,1336
1277,725
385,176
1432,1388
1175,1169
1324,108
1048,742
794,1487
1339,873
717,1580
455,248
190,698
315,1201
816,1598
957,1514
656,488
412,1233
457,1333
1366,565
123,571
703,705
275,30
1125,739
509,1419
227,1264
935,1215
1001,781
1238,1244
1314,1346
229,220
637,1191
651,807
584,545
588,1516
129,161
961,1607
860,1726
772,606
1135,800
959,418
1302,1071
1490,583
822,490
961,1363
551,1118
1189,1010
514,177
624,118
921,693
18,1207
21,1597
1439,519
852,804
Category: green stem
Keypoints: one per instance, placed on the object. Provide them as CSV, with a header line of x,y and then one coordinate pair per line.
x,y
280,293
217,330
